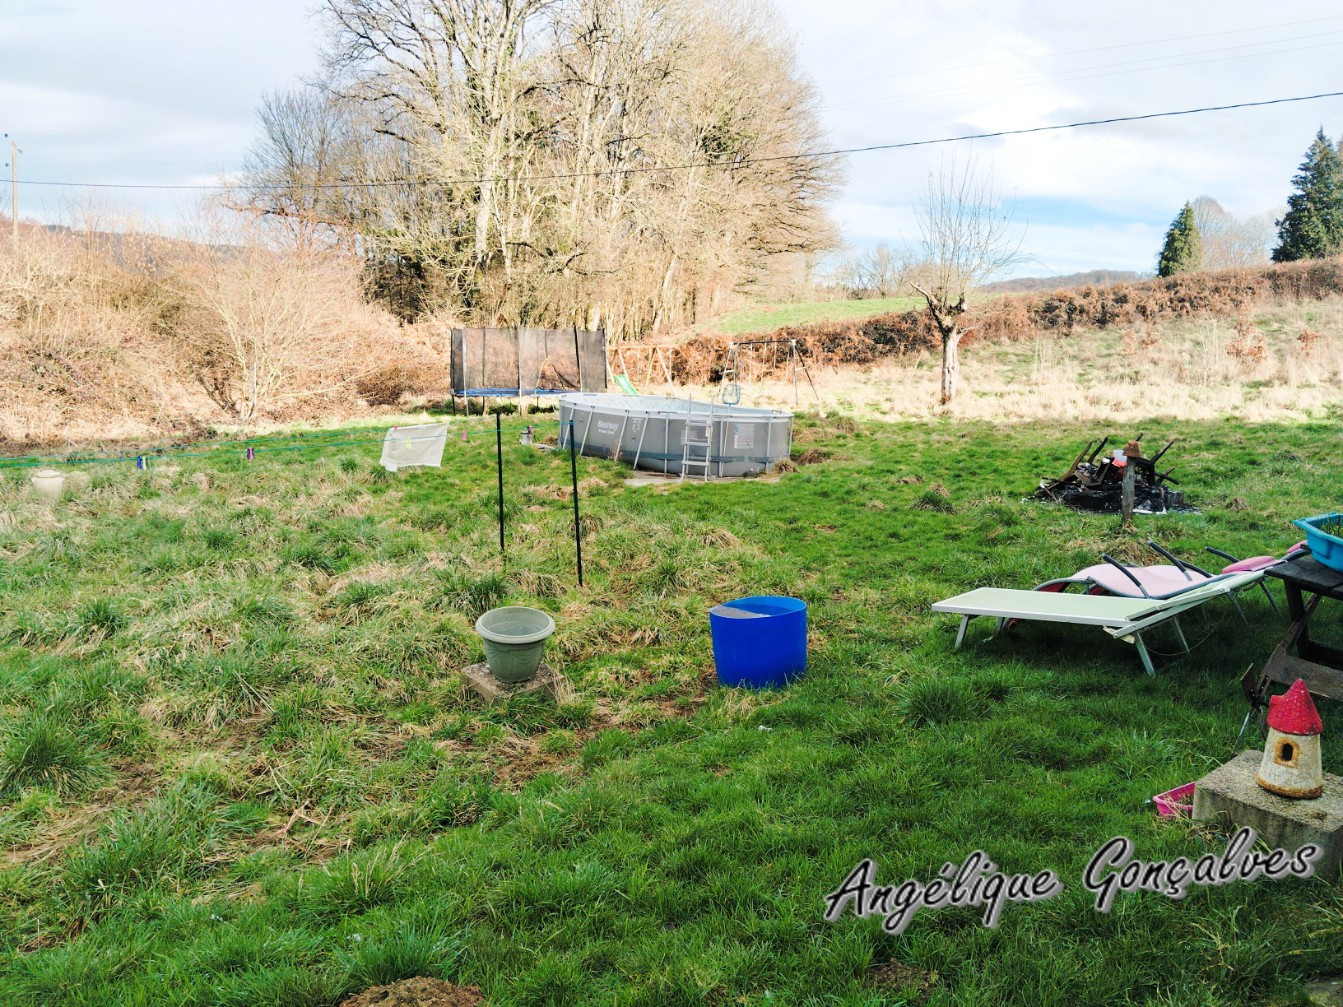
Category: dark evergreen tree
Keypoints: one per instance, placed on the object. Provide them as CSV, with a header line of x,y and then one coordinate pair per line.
x,y
1183,249
1313,226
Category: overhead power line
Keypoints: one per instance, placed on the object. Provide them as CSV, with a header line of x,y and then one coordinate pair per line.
x,y
801,155
1172,61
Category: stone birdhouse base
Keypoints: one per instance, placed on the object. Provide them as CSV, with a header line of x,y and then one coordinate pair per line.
x,y
1231,791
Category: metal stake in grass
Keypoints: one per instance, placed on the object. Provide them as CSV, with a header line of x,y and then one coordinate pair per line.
x,y
499,464
573,473
1126,490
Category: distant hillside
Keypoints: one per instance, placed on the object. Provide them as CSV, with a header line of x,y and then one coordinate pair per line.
x,y
1223,294
1036,284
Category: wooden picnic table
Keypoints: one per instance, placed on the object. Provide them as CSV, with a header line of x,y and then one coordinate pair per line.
x,y
1319,665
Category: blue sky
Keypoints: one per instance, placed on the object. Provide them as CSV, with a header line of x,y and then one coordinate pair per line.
x,y
165,92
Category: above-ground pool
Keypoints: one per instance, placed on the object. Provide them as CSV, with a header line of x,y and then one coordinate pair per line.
x,y
649,432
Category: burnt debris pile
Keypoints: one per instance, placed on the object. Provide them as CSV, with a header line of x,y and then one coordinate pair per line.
x,y
1095,481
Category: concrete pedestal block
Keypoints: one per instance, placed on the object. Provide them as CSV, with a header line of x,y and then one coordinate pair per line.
x,y
490,689
1282,823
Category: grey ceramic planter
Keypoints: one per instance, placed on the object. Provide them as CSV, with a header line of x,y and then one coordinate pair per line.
x,y
515,640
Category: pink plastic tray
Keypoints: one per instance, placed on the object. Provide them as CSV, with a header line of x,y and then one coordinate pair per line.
x,y
1175,803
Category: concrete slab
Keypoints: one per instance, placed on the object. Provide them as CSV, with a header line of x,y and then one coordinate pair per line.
x,y
490,689
1231,791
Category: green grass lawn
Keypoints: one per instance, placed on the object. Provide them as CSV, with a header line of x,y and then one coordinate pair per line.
x,y
766,318
239,766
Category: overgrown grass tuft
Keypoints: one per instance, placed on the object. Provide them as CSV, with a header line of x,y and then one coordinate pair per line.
x,y
357,883
472,595
401,951
940,701
40,752
102,616
936,500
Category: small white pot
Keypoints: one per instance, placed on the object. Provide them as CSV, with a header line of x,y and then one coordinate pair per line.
x,y
48,483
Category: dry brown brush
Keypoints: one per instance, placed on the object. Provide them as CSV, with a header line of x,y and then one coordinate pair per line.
x,y
1223,294
106,337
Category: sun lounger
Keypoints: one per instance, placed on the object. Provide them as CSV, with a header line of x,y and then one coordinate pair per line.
x,y
1164,580
1123,618
1130,581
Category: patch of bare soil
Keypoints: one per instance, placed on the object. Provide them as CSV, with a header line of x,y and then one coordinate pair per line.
x,y
417,992
893,977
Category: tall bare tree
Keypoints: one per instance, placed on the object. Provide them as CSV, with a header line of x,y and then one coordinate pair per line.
x,y
1230,241
622,163
258,328
881,271
967,237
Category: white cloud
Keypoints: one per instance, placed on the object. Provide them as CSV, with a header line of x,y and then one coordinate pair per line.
x,y
165,92
956,78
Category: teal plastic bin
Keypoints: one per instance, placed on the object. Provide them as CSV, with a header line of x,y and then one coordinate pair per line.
x,y
1326,547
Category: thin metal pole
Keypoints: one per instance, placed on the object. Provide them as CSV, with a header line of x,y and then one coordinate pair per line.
x,y
722,440
792,348
1126,494
573,472
592,411
499,461
14,191
643,429
620,437
578,361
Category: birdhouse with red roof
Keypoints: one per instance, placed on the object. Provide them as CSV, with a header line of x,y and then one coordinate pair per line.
x,y
1291,765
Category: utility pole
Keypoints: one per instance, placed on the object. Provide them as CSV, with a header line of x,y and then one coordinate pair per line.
x,y
13,188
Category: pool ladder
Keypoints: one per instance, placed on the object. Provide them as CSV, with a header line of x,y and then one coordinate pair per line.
x,y
698,437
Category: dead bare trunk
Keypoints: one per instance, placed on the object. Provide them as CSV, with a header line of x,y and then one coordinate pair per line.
x,y
951,363
481,245
664,293
946,318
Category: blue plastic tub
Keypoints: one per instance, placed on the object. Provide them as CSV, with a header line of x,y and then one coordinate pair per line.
x,y
759,642
1326,548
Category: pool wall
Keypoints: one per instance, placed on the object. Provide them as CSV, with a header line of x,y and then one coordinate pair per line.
x,y
648,432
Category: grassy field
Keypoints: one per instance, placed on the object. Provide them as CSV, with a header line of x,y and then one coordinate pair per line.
x,y
766,318
239,765
1288,367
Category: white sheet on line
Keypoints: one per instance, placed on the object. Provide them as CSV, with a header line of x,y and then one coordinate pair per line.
x,y
405,447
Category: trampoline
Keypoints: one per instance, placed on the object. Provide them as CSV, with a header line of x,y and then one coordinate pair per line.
x,y
523,362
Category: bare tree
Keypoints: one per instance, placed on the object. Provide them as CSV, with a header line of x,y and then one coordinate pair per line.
x,y
622,163
449,80
1230,241
260,328
884,270
967,237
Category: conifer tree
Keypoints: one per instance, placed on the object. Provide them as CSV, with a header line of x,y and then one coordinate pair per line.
x,y
1183,248
1313,225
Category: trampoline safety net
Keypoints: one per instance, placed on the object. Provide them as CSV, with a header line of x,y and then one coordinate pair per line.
x,y
527,361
